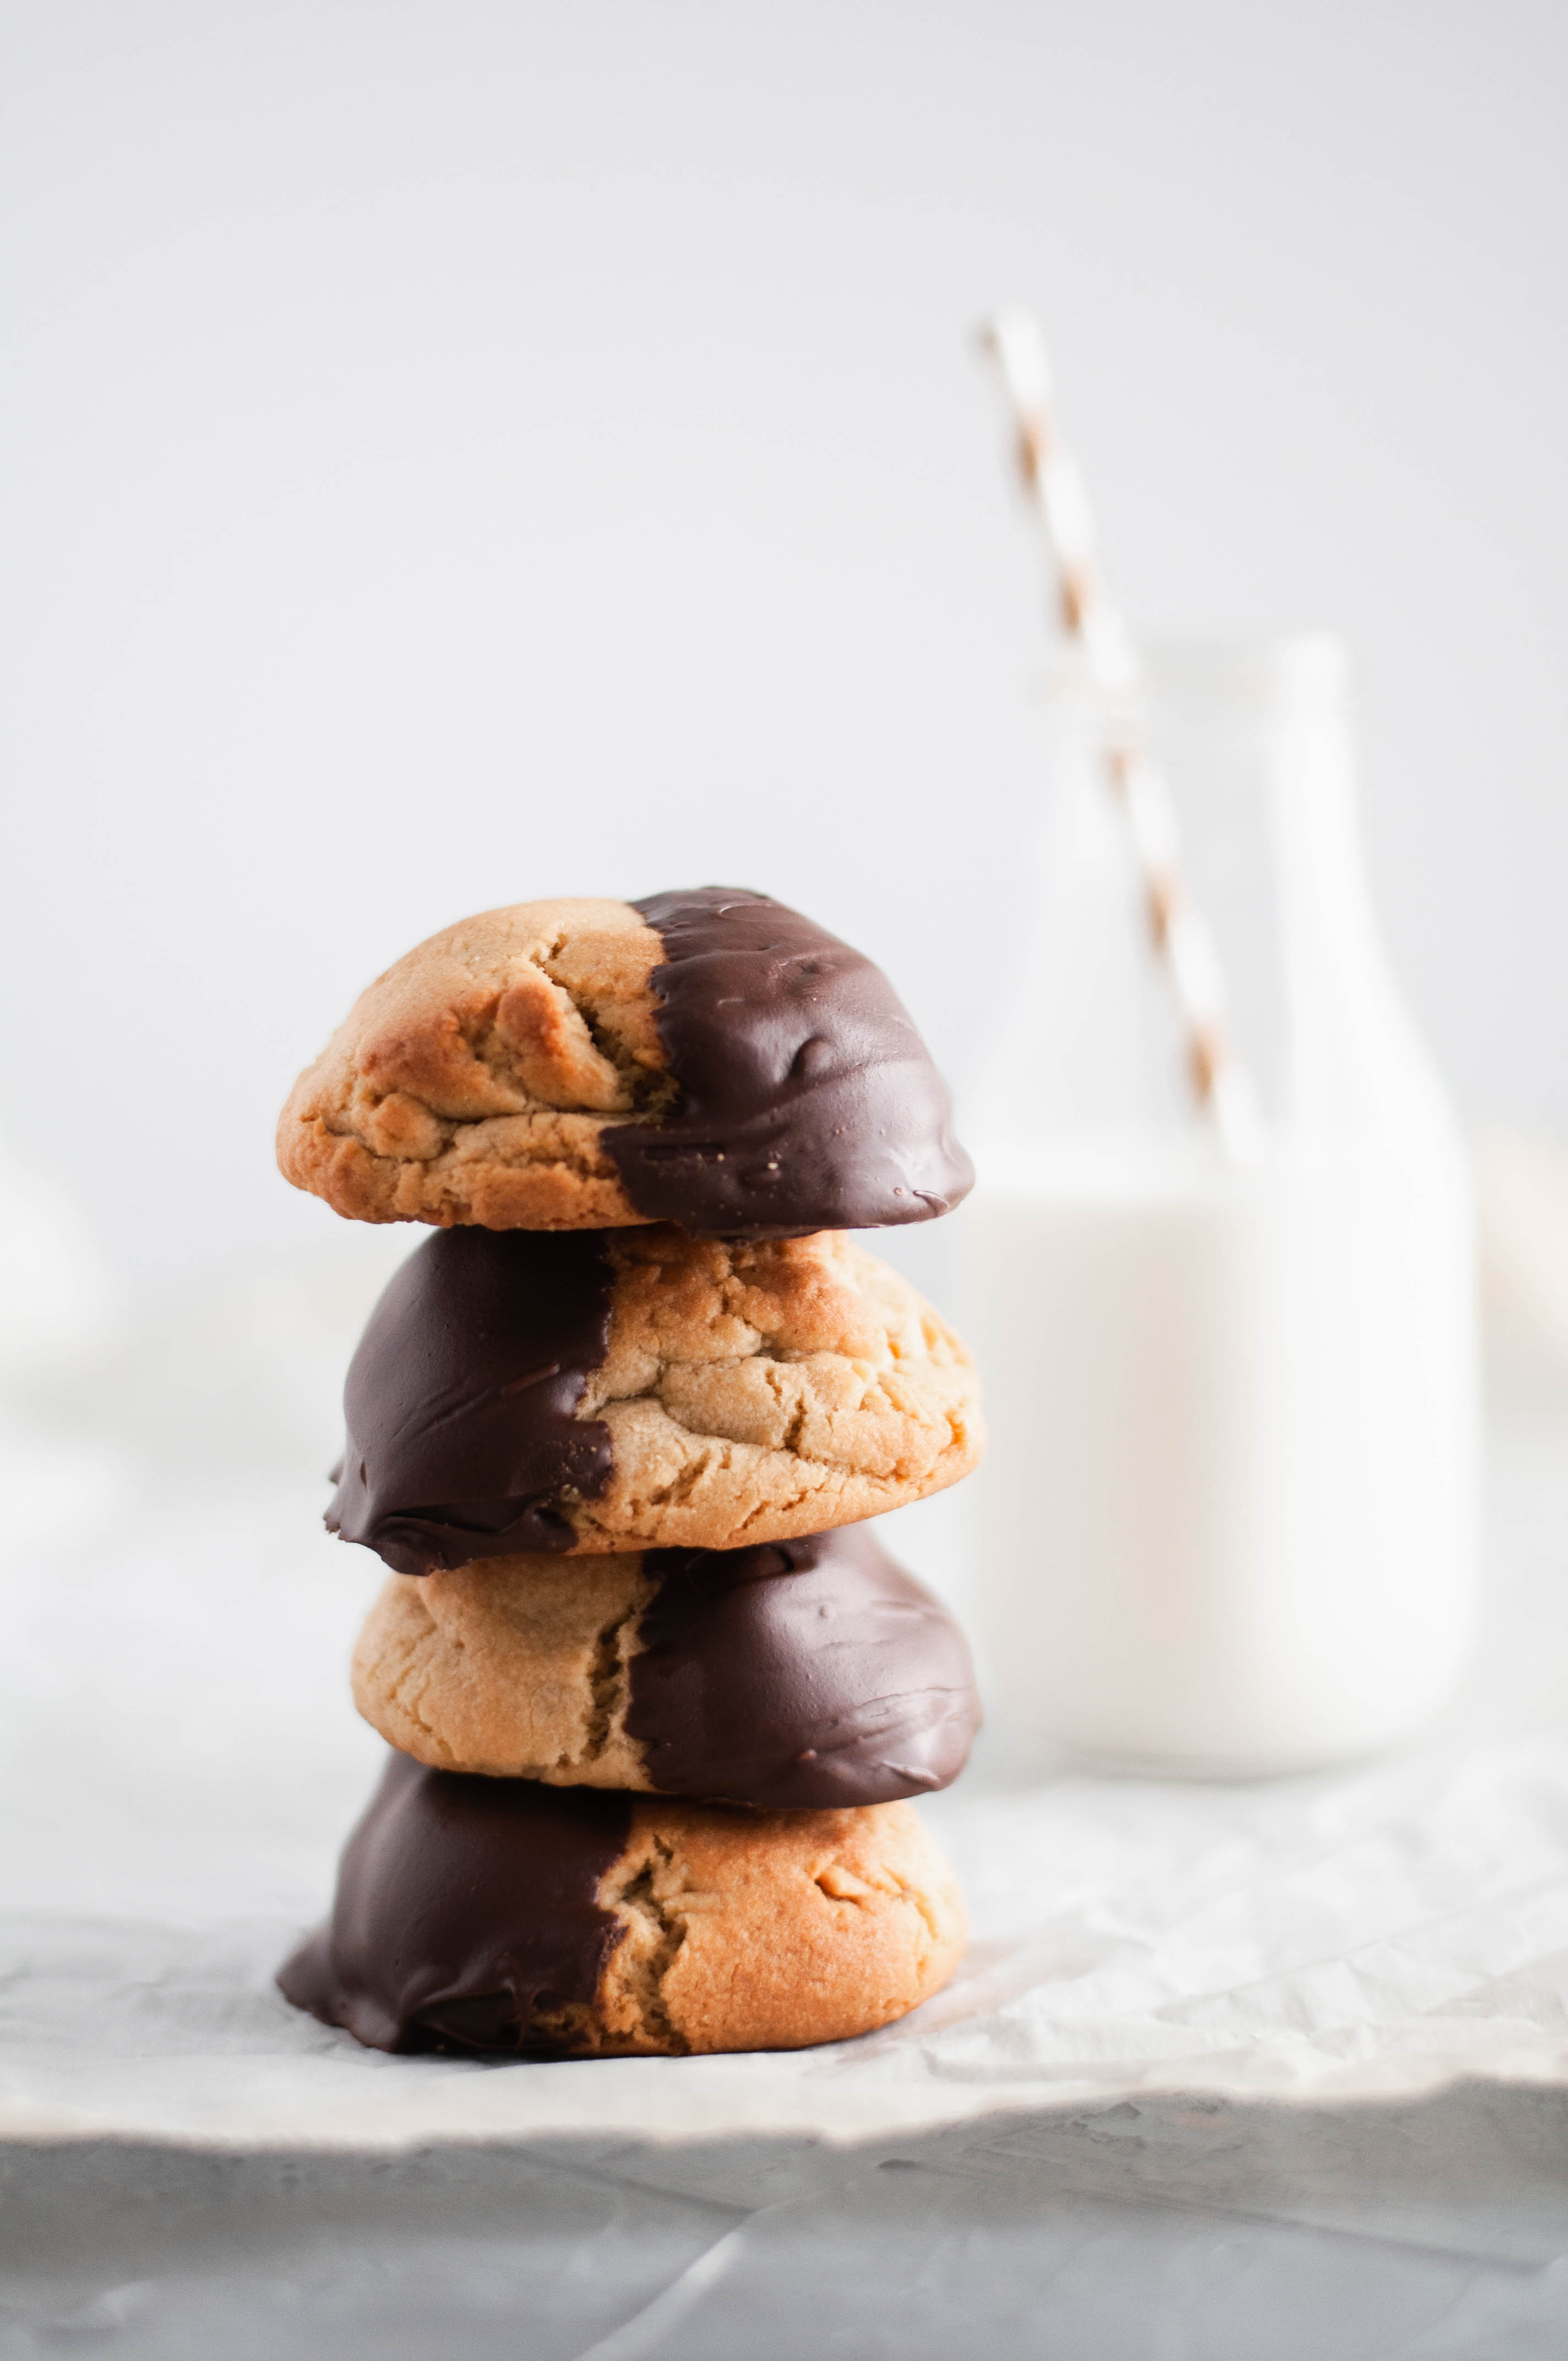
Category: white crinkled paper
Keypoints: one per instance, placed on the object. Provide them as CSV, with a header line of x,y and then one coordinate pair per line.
x,y
183,1762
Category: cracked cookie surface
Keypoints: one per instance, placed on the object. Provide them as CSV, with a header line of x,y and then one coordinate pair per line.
x,y
774,1931
722,1393
797,1674
502,1916
472,1081
705,1057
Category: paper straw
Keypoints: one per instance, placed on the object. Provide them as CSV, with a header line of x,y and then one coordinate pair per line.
x,y
1184,944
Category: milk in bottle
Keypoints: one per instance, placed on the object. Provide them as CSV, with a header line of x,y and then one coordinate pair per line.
x,y
1227,1524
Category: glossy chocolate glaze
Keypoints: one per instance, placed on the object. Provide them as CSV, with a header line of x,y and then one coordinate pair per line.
x,y
465,1907
807,1099
798,1674
460,1400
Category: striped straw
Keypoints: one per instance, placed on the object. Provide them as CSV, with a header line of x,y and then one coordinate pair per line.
x,y
1059,502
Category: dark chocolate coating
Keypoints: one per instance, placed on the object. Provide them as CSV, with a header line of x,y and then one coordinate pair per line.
x,y
461,1397
463,1906
799,1675
807,1099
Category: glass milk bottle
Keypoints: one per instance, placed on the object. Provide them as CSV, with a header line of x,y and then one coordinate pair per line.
x,y
1228,1523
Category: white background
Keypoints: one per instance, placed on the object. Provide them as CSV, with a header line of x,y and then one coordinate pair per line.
x,y
458,450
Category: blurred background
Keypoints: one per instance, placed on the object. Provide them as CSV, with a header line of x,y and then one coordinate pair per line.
x,y
456,453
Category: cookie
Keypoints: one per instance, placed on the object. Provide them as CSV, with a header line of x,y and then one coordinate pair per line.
x,y
792,1675
621,1389
707,1058
495,1915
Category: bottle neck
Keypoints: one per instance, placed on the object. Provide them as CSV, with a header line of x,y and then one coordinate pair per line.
x,y
1257,742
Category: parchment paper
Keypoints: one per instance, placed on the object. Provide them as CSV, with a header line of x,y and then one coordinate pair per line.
x,y
183,1762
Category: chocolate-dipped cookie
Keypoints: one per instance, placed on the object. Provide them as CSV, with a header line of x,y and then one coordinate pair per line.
x,y
791,1676
620,1390
708,1058
497,1915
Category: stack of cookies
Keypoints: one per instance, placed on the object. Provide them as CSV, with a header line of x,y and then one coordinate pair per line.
x,y
658,1696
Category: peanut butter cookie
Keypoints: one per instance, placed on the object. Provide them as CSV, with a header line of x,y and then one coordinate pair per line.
x,y
496,1915
708,1058
791,1676
621,1389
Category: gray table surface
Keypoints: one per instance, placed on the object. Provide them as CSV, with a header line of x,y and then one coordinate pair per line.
x,y
1154,2231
